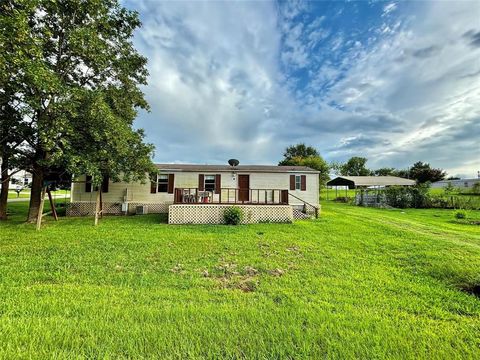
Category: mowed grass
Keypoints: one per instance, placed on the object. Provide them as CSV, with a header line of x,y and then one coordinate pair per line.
x,y
356,283
14,195
25,193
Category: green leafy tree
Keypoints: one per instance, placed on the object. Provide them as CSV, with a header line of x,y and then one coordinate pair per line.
x,y
355,166
476,188
449,188
17,53
302,155
81,91
403,173
385,172
336,167
298,151
423,172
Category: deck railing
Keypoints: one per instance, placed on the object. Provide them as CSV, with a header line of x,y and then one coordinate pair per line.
x,y
231,196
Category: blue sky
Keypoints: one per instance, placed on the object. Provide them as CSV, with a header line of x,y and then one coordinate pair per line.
x,y
395,82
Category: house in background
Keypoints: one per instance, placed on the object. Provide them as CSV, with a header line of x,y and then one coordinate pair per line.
x,y
200,193
20,179
457,183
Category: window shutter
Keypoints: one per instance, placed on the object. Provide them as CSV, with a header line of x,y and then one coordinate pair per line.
x,y
88,183
201,182
153,185
218,183
303,183
292,182
105,184
171,180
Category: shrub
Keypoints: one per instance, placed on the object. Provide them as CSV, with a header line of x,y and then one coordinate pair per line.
x,y
398,197
460,215
449,189
408,197
476,188
233,215
420,197
438,202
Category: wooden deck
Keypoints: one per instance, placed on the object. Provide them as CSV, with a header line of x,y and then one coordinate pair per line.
x,y
231,196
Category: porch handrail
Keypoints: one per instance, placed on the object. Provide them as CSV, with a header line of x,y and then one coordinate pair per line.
x,y
194,195
305,203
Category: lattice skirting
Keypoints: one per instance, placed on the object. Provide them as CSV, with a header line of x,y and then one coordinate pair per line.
x,y
111,208
213,214
151,208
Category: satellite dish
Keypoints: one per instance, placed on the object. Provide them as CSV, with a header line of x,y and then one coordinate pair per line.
x,y
233,162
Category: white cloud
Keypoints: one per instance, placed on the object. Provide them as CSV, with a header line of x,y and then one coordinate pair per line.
x,y
221,84
418,76
389,8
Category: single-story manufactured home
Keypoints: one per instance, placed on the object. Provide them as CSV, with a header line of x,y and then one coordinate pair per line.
x,y
199,193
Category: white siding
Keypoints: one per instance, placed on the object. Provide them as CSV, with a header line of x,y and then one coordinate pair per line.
x,y
140,193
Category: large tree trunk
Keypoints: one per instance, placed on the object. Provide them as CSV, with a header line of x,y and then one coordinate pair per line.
x,y
35,194
5,179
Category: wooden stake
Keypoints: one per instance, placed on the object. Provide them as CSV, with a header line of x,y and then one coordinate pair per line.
x,y
40,208
101,204
52,205
97,207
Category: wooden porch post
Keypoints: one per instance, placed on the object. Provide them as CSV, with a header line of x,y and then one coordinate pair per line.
x,y
40,208
97,206
52,205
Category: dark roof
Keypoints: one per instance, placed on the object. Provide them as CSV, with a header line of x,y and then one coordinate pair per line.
x,y
352,181
239,168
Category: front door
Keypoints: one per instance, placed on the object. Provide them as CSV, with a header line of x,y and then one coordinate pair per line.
x,y
243,187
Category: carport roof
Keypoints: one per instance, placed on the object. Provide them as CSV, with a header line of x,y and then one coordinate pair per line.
x,y
352,181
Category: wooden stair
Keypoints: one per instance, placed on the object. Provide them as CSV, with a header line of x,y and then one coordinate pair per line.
x,y
299,215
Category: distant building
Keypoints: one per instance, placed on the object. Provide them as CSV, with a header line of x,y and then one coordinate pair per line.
x,y
21,178
459,183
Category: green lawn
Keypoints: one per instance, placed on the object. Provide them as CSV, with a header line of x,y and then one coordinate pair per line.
x,y
356,283
26,193
23,194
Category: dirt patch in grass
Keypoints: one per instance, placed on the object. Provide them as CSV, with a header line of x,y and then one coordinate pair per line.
x,y
246,279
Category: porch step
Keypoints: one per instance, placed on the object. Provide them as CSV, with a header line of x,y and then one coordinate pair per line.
x,y
298,215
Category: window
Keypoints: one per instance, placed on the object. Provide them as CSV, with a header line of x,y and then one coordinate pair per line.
x,y
209,182
105,181
88,184
298,182
465,183
162,183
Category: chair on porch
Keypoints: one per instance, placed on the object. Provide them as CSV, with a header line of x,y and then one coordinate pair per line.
x,y
187,196
205,197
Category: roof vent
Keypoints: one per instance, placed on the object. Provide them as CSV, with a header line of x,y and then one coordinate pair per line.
x,y
233,162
